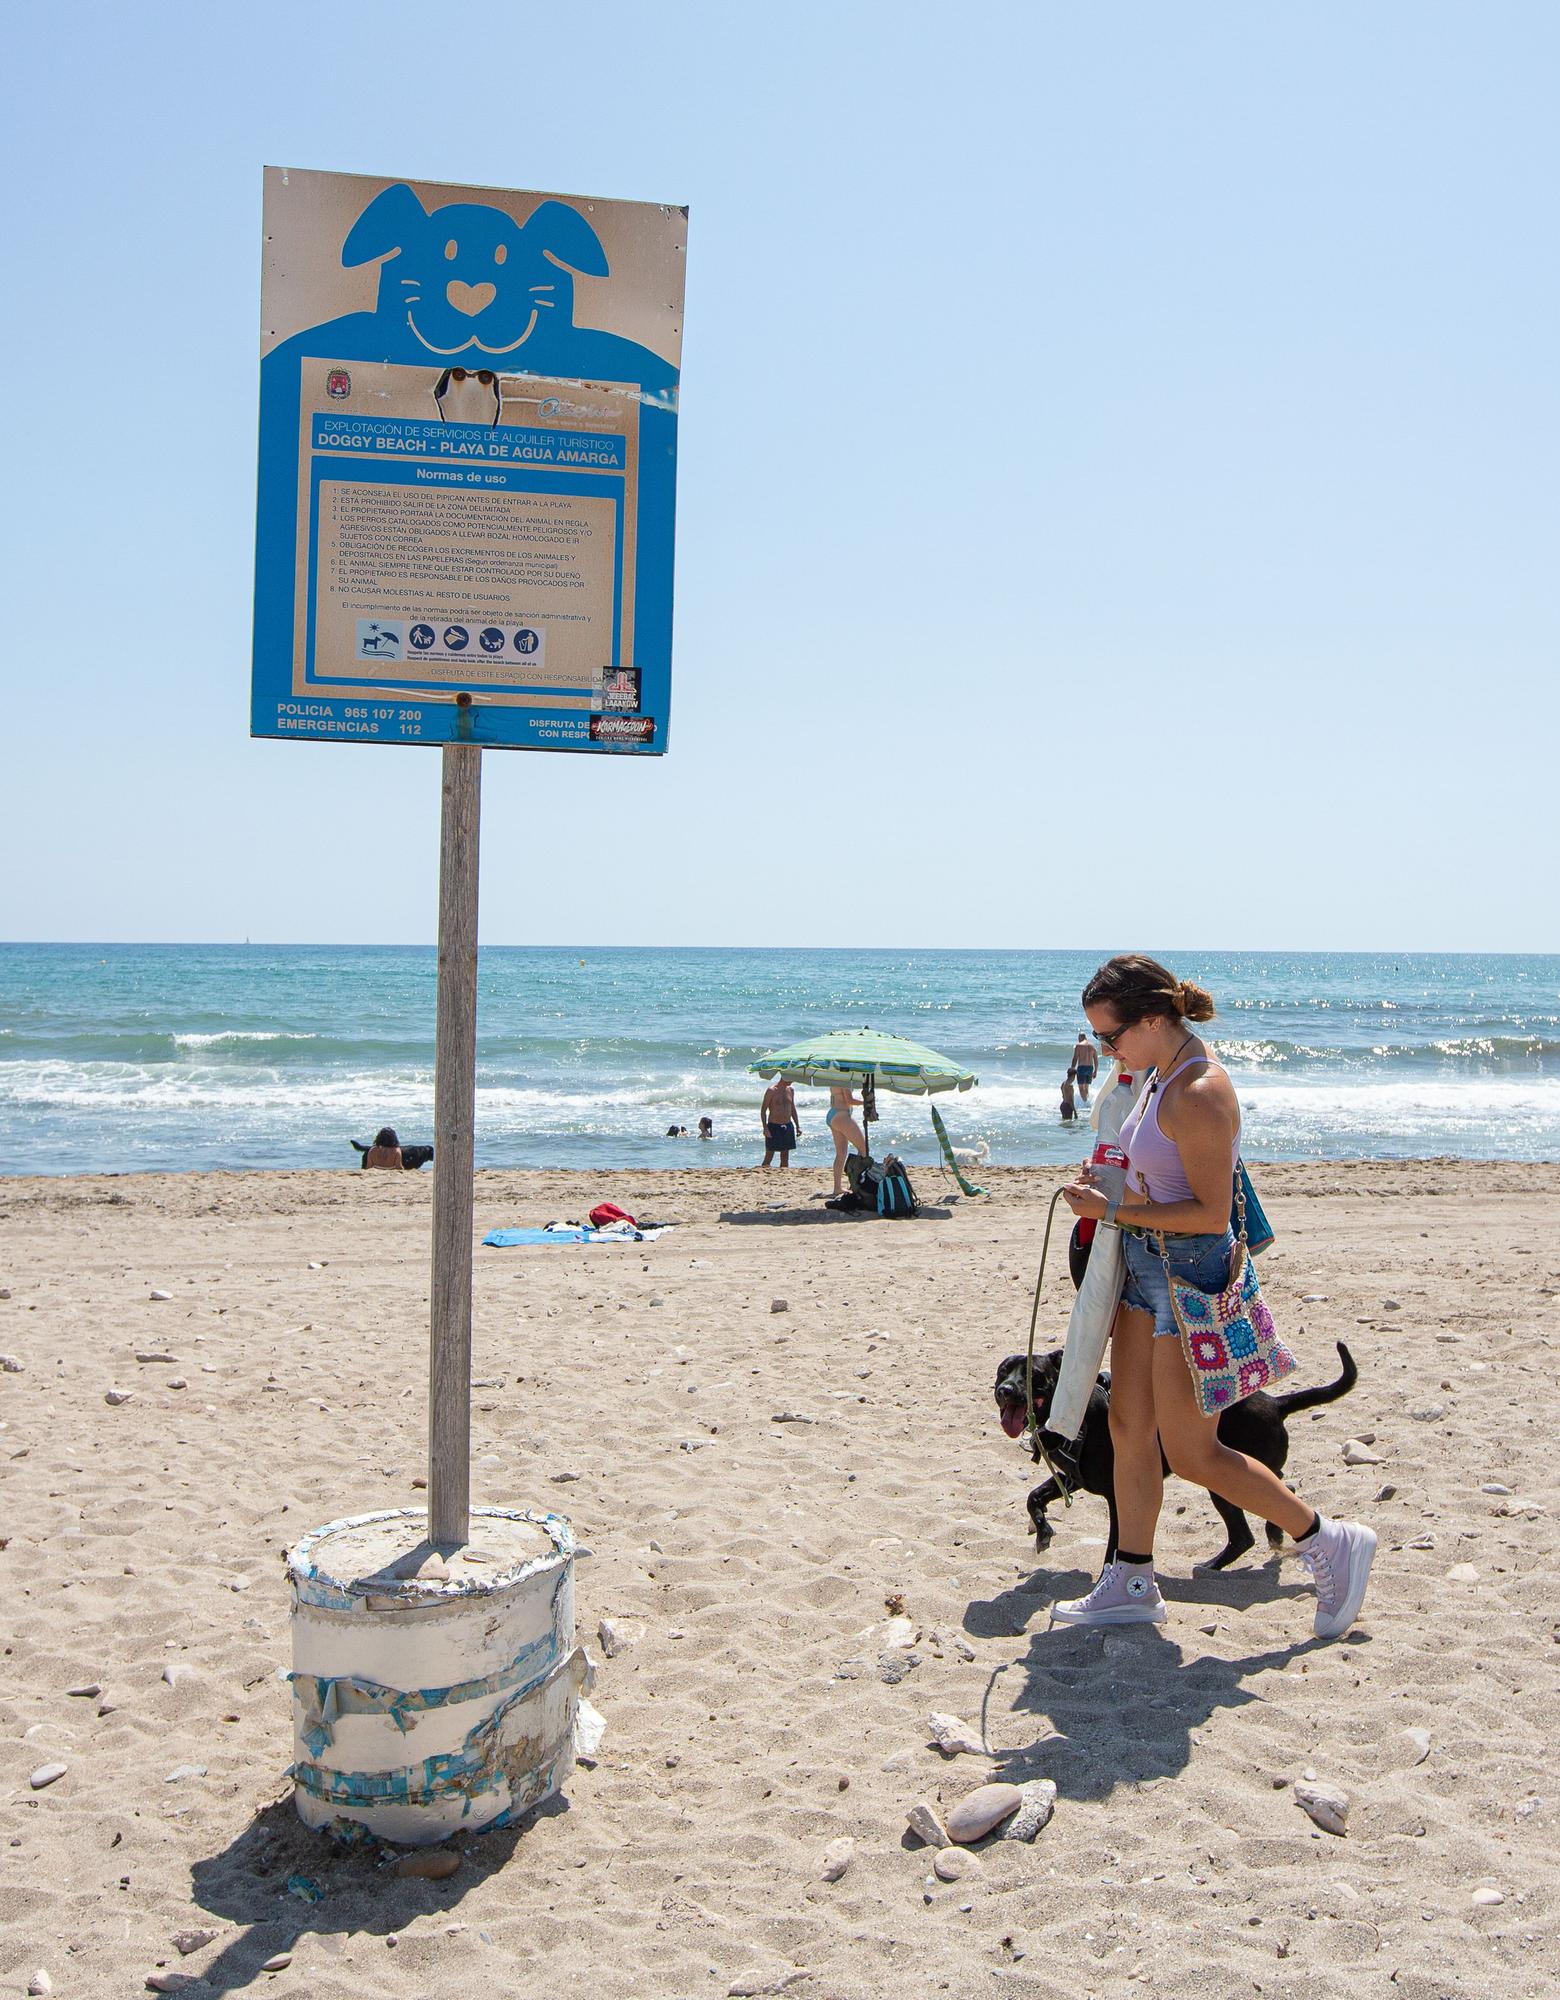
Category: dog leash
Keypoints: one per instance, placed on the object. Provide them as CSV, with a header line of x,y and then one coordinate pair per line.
x,y
1036,1436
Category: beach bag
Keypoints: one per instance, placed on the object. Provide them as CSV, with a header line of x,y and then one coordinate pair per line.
x,y
892,1193
1231,1345
1259,1231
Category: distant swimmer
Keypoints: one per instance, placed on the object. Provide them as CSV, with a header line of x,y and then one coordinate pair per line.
x,y
1069,1107
706,1128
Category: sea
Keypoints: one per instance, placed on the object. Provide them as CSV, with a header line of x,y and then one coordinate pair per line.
x,y
139,1057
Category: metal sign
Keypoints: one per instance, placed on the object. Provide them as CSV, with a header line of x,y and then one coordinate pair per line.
x,y
468,437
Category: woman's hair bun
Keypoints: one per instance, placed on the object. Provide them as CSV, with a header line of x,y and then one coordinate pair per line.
x,y
1194,1003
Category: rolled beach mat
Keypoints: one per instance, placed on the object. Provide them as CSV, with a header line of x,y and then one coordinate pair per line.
x,y
433,1692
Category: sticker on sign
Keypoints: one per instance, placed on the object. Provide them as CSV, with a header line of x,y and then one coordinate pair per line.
x,y
622,728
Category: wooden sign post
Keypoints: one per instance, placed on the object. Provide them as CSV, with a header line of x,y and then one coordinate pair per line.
x,y
454,1152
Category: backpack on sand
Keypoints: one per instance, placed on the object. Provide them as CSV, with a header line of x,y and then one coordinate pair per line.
x,y
884,1186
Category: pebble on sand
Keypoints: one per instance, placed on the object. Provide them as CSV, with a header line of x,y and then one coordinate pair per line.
x,y
40,1982
617,1635
180,1772
114,1397
779,1305
1488,1896
952,1735
161,1295
923,1822
953,1863
429,1864
46,1774
187,1941
1327,1804
973,1816
176,1671
1038,1804
1420,1739
9,1365
837,1857
1356,1452
88,1690
754,1984
1462,1573
277,1962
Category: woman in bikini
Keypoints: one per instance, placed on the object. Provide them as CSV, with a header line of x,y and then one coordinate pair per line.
x,y
1181,1140
846,1131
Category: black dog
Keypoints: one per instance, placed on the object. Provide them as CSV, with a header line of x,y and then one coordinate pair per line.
x,y
1255,1426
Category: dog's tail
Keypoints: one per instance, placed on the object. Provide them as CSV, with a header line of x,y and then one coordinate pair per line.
x,y
1327,1392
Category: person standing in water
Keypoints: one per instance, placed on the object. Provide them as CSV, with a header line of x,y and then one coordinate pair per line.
x,y
1182,1139
1083,1064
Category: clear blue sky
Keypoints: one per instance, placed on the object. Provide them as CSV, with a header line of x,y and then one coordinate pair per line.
x,y
1117,472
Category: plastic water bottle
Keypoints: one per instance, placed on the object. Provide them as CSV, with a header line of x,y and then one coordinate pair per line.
x,y
1108,1162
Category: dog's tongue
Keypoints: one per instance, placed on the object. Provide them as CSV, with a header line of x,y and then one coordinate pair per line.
x,y
1013,1419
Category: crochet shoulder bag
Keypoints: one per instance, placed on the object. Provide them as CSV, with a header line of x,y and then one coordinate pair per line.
x,y
1231,1345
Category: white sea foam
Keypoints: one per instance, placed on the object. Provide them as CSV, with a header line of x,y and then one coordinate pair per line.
x,y
243,1035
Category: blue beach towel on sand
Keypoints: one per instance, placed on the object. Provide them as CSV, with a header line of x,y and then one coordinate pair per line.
x,y
504,1239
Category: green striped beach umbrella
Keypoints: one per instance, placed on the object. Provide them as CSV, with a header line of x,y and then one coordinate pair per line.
x,y
861,1055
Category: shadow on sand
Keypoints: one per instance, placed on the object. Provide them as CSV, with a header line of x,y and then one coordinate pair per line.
x,y
247,1884
790,1218
1123,1700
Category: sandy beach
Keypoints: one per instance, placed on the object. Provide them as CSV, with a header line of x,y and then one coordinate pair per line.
x,y
752,1725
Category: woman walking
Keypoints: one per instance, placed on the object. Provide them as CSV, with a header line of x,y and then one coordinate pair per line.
x,y
1182,1140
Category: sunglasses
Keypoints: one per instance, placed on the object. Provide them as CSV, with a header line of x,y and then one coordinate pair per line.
x,y
1110,1041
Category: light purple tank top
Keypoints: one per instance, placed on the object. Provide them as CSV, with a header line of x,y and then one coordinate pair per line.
x,y
1154,1154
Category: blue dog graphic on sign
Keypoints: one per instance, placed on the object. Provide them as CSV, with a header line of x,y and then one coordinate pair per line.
x,y
468,281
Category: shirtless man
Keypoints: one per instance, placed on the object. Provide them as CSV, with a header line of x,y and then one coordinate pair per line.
x,y
782,1127
1085,1060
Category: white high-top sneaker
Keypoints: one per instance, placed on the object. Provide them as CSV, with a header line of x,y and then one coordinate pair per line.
x,y
1339,1556
1126,1594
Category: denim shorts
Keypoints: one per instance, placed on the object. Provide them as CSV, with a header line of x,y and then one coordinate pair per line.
x,y
1203,1261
